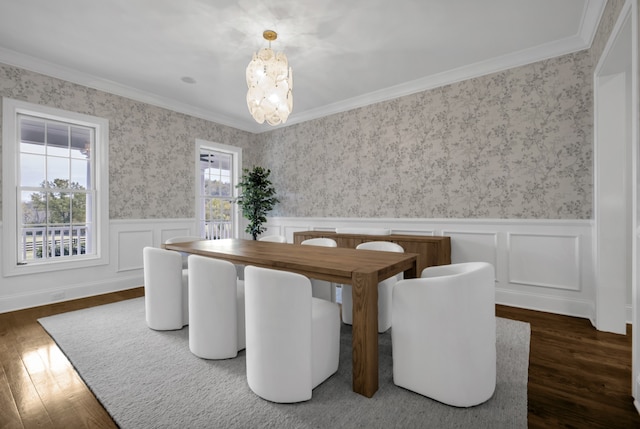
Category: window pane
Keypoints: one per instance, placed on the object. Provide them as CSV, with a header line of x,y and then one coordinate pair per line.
x,y
32,170
224,162
79,208
57,169
58,208
34,208
57,139
225,189
27,147
80,172
211,188
80,142
31,130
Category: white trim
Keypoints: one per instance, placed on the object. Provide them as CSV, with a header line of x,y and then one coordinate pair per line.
x,y
68,292
593,11
11,108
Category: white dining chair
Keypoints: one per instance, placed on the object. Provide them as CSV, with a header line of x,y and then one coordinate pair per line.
x,y
165,289
444,333
216,308
274,238
293,339
385,288
322,288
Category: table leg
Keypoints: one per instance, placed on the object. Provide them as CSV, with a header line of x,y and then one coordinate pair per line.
x,y
364,292
412,272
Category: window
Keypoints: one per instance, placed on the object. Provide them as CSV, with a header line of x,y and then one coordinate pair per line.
x,y
217,175
55,188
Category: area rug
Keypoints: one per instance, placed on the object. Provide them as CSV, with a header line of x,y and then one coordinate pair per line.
x,y
150,379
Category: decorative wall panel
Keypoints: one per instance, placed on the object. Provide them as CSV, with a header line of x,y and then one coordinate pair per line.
x,y
545,260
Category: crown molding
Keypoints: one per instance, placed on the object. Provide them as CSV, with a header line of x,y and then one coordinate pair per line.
x,y
593,11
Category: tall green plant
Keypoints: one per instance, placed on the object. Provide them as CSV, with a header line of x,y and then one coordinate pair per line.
x,y
257,199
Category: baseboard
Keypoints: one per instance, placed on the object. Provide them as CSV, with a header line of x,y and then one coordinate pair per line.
x,y
67,293
546,303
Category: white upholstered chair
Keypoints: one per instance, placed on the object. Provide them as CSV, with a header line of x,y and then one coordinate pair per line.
x,y
322,288
385,288
216,309
444,333
293,339
165,289
183,239
274,238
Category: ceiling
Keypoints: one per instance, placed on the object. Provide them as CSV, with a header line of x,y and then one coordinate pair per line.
x,y
344,54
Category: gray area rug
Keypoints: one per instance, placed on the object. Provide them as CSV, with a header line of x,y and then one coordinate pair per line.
x,y
150,379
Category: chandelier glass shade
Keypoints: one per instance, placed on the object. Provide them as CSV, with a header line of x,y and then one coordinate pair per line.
x,y
270,83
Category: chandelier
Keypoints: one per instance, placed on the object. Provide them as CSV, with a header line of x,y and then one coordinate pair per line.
x,y
270,82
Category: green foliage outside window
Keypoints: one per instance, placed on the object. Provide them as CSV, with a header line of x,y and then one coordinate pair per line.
x,y
56,204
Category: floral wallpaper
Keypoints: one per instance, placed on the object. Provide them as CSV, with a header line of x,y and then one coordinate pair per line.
x,y
151,150
513,144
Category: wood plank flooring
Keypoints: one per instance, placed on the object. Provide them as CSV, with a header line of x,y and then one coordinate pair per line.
x,y
578,377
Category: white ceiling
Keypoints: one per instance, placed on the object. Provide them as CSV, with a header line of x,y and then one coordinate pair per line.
x,y
344,53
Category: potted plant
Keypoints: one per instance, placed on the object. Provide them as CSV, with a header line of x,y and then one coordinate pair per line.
x,y
258,196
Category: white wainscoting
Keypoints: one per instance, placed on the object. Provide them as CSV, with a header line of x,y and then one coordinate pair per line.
x,y
544,265
127,238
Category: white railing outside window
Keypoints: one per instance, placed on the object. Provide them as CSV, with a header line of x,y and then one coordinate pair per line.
x,y
39,243
217,230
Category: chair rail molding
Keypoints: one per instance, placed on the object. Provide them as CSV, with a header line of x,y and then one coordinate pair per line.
x,y
541,264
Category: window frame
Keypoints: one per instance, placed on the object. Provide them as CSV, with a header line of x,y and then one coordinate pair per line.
x,y
236,156
11,109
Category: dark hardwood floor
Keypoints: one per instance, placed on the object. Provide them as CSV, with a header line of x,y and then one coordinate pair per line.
x,y
578,377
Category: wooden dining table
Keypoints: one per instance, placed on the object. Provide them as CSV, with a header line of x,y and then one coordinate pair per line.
x,y
362,269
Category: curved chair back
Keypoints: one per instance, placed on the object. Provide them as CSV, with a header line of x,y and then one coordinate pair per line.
x,y
363,231
290,348
326,242
216,309
278,334
322,288
165,289
447,317
386,246
274,238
